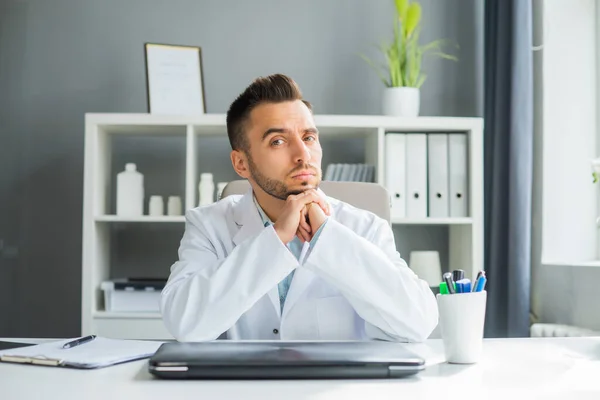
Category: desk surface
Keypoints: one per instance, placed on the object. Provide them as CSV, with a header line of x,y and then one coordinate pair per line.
x,y
536,368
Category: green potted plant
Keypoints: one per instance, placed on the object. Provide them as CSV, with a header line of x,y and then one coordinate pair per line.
x,y
401,73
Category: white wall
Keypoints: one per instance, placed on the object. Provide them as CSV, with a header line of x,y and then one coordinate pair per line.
x,y
62,58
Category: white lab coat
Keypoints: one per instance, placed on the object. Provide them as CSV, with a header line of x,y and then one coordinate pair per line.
x,y
352,284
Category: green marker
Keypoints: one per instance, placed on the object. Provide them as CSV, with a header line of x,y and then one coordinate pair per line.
x,y
443,288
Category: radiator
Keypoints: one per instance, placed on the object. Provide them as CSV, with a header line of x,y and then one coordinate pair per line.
x,y
559,330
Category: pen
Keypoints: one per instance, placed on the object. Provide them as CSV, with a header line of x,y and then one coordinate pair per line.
x,y
458,274
449,283
79,341
480,283
463,286
481,272
443,288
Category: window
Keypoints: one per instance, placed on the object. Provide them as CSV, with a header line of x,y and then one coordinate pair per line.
x,y
568,117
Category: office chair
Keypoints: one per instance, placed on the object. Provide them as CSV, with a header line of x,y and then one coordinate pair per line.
x,y
365,195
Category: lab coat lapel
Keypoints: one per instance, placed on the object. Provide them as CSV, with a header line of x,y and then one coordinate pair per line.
x,y
300,282
247,218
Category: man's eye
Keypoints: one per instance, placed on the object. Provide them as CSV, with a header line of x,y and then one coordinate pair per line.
x,y
310,138
277,142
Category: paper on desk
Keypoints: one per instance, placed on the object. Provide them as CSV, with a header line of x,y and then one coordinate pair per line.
x,y
100,352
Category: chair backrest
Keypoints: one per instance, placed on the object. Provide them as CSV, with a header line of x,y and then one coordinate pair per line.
x,y
365,195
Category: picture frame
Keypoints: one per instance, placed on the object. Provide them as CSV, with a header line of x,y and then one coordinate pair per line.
x,y
174,79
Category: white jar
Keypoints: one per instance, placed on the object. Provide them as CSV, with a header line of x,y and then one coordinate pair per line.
x,y
156,206
130,192
206,189
174,205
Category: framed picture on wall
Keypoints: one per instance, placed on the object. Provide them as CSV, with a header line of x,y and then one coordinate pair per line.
x,y
174,79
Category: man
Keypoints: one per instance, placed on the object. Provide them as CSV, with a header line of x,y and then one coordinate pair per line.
x,y
284,261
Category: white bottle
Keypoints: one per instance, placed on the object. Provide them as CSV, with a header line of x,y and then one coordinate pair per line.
x,y
174,205
156,206
206,189
130,192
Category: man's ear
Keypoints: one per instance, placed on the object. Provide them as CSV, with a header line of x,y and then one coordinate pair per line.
x,y
240,163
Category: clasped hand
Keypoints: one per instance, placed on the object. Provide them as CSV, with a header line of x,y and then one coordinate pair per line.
x,y
302,216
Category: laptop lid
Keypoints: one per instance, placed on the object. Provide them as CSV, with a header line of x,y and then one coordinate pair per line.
x,y
281,359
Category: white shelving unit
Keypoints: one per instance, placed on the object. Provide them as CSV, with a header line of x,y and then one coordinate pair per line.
x,y
465,234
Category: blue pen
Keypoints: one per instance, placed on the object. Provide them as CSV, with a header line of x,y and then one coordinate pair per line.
x,y
463,286
466,285
477,280
480,284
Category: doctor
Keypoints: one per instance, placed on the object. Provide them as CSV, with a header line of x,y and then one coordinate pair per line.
x,y
284,261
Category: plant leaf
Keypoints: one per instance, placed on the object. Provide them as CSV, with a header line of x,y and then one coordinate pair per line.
x,y
445,56
401,9
376,68
413,17
398,56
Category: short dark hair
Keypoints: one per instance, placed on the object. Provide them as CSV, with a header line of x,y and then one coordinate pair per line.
x,y
275,88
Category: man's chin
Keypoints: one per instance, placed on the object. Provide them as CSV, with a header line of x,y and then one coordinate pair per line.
x,y
302,187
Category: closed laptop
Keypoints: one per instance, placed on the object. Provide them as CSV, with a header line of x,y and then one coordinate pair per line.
x,y
284,360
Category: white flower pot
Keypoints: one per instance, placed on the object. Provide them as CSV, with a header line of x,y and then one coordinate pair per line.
x,y
401,101
596,165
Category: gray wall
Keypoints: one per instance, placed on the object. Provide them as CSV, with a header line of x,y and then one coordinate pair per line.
x,y
62,58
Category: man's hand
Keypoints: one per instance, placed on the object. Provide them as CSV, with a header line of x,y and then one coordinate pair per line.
x,y
316,217
293,218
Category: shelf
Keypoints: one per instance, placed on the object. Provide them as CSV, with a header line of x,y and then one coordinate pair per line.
x,y
145,218
172,151
126,315
215,124
432,221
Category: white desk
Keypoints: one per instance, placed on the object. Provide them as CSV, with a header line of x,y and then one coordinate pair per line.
x,y
514,369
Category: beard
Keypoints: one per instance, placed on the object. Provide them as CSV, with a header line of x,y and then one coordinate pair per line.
x,y
276,188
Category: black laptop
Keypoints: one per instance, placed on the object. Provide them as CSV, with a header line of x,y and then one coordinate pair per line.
x,y
284,360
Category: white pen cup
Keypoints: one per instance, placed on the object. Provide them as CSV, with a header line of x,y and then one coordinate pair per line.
x,y
462,318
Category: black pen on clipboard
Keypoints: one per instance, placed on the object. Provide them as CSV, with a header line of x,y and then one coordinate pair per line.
x,y
79,341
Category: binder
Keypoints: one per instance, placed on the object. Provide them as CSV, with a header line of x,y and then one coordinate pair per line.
x,y
364,170
437,159
416,175
345,174
329,172
457,164
337,172
98,353
395,172
371,173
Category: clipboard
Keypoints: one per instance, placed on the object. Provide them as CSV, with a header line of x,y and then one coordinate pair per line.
x,y
100,352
